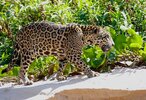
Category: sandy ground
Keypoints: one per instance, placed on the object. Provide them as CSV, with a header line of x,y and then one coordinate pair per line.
x,y
119,78
100,94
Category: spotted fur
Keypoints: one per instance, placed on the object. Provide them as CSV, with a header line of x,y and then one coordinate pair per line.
x,y
65,42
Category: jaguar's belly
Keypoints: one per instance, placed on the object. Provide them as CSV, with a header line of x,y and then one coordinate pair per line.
x,y
60,53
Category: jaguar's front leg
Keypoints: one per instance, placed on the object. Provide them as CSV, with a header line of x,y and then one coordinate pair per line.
x,y
62,65
82,66
89,72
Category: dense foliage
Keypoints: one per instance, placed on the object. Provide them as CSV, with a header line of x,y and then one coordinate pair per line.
x,y
124,19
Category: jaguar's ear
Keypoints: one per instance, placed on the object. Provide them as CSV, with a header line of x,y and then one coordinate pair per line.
x,y
96,30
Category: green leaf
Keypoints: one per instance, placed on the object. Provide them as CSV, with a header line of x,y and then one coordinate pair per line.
x,y
120,42
112,55
135,46
145,47
16,71
131,32
93,56
134,41
113,32
98,61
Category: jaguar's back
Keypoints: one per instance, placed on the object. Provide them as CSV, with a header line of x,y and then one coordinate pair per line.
x,y
42,39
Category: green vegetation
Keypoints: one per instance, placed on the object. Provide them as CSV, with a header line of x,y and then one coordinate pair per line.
x,y
124,19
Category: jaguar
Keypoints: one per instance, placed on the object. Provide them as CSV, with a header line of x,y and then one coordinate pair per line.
x,y
63,41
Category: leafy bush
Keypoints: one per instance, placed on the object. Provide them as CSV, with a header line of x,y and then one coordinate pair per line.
x,y
43,66
93,56
125,19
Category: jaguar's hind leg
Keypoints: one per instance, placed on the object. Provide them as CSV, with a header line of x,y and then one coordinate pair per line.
x,y
62,65
26,60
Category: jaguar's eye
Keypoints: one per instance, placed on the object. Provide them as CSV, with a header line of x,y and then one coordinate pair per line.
x,y
105,36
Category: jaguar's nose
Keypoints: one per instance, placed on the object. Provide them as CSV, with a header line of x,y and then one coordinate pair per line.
x,y
105,48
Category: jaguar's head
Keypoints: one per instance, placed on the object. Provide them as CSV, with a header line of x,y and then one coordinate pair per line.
x,y
94,35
